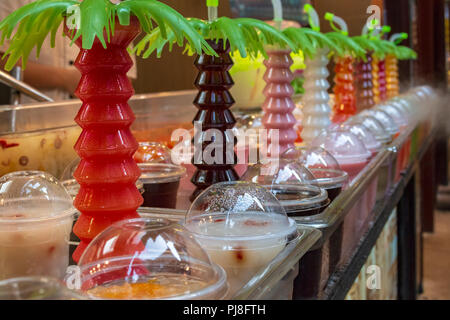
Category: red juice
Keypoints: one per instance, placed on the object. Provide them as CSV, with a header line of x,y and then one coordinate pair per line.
x,y
353,169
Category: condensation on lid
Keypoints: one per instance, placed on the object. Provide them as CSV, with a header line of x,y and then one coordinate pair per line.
x,y
31,195
345,147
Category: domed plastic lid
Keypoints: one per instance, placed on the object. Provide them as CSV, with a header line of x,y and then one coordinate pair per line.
x,y
345,147
300,200
423,92
149,258
36,288
283,171
395,113
28,196
365,135
239,211
312,157
373,125
401,108
324,167
161,172
386,120
152,152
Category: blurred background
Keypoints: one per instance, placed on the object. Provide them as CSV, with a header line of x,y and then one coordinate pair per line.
x,y
426,21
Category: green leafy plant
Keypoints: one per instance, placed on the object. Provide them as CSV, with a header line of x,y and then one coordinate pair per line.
x,y
247,36
35,21
342,40
309,40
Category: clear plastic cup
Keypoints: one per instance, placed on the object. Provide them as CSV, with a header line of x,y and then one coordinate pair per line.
x,y
35,224
300,201
324,167
283,171
36,288
395,113
365,135
346,148
149,258
386,120
373,125
161,182
242,226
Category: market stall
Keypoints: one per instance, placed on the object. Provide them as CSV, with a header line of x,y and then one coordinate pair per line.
x,y
285,199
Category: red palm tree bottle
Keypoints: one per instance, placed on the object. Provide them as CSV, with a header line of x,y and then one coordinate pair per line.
x,y
107,172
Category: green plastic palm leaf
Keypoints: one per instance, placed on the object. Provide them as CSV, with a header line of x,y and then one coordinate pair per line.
x,y
367,44
248,36
35,21
308,45
167,19
346,44
323,40
405,53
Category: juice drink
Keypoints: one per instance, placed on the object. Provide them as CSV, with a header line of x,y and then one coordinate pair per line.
x,y
278,106
316,108
392,82
35,225
344,90
324,167
242,226
364,84
214,102
161,182
348,150
382,84
300,200
149,258
107,172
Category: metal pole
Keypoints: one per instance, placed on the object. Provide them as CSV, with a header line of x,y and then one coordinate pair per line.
x,y
23,87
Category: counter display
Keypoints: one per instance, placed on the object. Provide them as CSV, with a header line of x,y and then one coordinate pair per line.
x,y
276,234
324,253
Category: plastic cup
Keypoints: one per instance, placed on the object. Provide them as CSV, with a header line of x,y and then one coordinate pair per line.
x,y
395,113
36,288
146,259
346,148
385,119
35,224
242,226
366,136
283,171
374,126
327,173
300,200
161,182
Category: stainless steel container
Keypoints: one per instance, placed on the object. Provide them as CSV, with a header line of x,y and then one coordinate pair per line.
x,y
41,136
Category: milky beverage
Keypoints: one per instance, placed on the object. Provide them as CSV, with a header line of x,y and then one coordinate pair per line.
x,y
243,245
38,247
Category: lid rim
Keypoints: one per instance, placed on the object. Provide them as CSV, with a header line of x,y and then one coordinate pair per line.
x,y
289,230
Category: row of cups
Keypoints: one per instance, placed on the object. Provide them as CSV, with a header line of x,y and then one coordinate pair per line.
x,y
230,231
